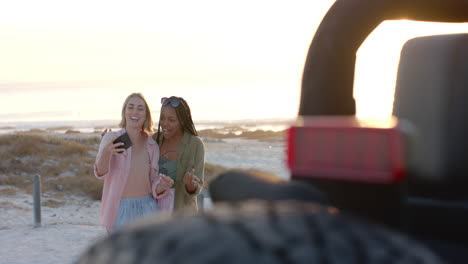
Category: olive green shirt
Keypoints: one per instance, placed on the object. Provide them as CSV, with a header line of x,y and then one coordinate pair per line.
x,y
191,154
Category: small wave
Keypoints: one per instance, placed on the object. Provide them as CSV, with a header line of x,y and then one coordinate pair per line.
x,y
230,132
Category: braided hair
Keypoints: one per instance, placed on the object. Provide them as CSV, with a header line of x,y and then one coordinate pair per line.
x,y
184,116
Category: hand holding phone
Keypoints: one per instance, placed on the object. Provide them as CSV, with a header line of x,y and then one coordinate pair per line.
x,y
124,138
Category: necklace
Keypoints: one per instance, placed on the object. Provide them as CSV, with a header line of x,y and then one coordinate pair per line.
x,y
169,151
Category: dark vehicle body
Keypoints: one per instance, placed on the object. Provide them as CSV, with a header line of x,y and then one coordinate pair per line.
x,y
430,200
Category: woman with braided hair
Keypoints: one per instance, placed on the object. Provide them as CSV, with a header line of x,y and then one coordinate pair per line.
x,y
182,155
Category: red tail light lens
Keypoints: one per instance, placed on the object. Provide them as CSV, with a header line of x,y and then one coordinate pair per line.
x,y
345,148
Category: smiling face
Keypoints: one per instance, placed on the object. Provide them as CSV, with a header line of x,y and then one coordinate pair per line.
x,y
135,113
169,122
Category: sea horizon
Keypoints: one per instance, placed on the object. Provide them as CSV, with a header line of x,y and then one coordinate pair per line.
x,y
84,125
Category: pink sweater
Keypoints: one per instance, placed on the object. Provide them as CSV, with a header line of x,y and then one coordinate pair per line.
x,y
117,175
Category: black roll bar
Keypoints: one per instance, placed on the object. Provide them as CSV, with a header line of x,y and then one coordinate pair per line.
x,y
327,83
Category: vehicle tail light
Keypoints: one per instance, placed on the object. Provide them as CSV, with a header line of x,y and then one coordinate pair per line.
x,y
348,149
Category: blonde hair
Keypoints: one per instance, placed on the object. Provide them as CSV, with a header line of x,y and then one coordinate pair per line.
x,y
148,125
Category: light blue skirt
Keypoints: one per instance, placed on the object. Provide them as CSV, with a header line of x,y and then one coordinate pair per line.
x,y
132,209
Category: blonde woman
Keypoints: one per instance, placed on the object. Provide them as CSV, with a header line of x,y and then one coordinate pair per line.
x,y
129,167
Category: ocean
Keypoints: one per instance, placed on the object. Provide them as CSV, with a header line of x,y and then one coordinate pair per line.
x,y
239,144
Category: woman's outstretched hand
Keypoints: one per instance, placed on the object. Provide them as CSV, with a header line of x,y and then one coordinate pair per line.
x,y
191,181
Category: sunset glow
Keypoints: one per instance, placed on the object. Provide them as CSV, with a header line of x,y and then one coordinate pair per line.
x,y
239,60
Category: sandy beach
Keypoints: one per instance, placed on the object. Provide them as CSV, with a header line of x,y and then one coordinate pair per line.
x,y
70,193
64,233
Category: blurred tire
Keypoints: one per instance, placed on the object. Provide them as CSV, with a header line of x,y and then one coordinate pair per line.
x,y
257,232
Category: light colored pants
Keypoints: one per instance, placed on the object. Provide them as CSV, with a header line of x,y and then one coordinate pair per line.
x,y
132,209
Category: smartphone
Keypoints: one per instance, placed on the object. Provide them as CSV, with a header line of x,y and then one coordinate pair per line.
x,y
124,138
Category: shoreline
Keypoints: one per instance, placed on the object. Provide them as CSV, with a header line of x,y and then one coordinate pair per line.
x,y
104,123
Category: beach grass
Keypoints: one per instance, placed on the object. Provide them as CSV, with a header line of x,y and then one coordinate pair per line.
x,y
65,164
59,128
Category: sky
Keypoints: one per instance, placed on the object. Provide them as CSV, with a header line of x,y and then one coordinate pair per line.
x,y
74,60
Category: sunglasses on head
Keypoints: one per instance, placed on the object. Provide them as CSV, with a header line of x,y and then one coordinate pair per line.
x,y
175,102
